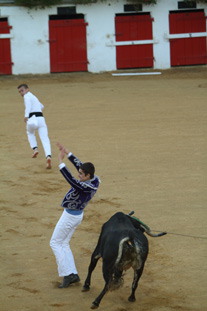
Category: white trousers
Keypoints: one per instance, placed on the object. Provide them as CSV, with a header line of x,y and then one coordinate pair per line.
x,y
60,243
43,134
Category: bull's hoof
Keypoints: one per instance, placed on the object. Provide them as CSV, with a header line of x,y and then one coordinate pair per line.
x,y
94,305
85,288
131,299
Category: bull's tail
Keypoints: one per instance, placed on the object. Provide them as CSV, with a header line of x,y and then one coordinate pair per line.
x,y
115,283
121,245
117,280
128,256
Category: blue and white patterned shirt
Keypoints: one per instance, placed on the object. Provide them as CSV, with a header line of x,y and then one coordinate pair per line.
x,y
80,193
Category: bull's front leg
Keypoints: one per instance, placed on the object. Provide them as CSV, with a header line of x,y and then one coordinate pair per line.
x,y
94,259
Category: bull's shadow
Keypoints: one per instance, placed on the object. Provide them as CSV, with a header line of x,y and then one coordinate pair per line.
x,y
122,245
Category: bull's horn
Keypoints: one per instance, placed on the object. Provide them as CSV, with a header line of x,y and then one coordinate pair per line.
x,y
152,234
147,229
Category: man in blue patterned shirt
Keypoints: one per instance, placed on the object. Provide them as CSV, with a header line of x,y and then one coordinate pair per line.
x,y
74,202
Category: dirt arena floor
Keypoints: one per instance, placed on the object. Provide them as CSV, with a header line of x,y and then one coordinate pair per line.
x,y
146,136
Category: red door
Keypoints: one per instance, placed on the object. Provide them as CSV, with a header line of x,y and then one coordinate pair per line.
x,y
68,45
5,50
188,51
132,28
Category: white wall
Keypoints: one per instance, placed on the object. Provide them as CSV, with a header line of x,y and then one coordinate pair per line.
x,y
161,48
100,37
30,35
29,46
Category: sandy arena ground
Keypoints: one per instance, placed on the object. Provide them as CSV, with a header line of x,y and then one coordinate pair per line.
x,y
146,136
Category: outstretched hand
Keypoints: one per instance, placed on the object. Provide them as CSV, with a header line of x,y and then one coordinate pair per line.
x,y
61,147
61,155
62,152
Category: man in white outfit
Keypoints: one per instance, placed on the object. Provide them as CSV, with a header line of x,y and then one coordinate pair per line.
x,y
35,121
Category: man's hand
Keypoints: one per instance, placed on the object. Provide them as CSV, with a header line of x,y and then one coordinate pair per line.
x,y
25,119
62,148
61,155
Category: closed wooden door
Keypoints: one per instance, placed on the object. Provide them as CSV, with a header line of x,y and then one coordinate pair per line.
x,y
5,49
191,50
68,51
130,54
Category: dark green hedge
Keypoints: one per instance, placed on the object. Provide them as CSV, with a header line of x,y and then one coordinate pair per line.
x,y
37,3
48,3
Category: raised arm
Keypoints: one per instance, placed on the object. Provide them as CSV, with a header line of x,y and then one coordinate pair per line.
x,y
78,185
64,151
62,148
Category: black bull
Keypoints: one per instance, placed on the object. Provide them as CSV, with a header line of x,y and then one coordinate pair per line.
x,y
122,244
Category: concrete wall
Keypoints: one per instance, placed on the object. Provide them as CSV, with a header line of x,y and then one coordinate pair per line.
x,y
30,35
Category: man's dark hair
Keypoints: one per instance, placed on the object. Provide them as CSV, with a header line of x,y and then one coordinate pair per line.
x,y
88,168
23,85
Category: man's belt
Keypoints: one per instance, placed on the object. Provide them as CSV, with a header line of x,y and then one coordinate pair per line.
x,y
37,114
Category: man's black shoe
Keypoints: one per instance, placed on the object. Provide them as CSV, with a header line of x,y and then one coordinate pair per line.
x,y
69,279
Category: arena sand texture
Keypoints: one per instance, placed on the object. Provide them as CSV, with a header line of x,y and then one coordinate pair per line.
x,y
146,136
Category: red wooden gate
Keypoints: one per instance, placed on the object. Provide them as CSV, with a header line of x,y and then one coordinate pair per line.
x,y
133,54
68,45
191,50
5,50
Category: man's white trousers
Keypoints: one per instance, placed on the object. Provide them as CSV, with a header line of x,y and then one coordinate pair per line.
x,y
43,134
60,243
